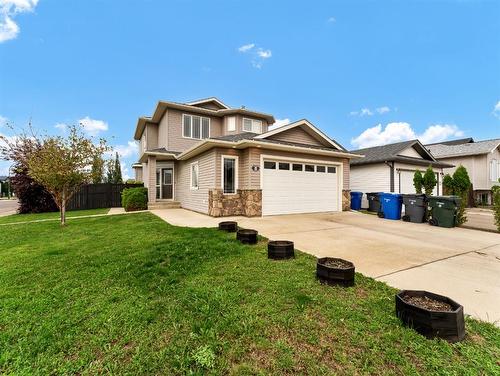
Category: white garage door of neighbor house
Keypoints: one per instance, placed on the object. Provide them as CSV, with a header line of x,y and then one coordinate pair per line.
x,y
406,183
299,187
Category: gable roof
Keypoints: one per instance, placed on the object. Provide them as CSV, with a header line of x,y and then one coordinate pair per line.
x,y
453,142
308,127
473,148
391,153
162,107
214,100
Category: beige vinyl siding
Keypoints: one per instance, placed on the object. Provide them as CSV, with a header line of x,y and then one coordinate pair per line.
x,y
196,200
151,136
138,174
297,135
163,131
175,140
370,178
410,152
477,167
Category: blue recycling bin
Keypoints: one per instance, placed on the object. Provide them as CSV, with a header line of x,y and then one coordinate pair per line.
x,y
390,205
356,200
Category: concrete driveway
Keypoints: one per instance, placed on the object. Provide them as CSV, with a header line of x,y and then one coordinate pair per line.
x,y
460,263
8,207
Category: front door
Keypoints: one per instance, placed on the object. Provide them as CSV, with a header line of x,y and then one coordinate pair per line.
x,y
165,183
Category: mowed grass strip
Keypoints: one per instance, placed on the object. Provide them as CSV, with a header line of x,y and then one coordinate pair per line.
x,y
16,218
131,294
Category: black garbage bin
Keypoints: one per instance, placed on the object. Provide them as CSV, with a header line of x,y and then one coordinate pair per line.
x,y
415,208
373,201
444,210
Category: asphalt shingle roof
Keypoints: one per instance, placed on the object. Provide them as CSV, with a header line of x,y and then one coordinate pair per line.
x,y
473,148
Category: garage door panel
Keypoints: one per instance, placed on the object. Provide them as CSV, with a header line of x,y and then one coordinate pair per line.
x,y
288,191
406,183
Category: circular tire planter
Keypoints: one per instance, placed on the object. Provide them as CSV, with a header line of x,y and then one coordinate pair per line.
x,y
280,249
228,226
247,236
335,271
431,315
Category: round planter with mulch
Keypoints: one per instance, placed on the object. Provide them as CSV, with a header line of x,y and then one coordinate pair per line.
x,y
335,271
431,315
280,249
228,226
247,236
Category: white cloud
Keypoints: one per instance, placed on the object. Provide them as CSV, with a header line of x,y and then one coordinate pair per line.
x,y
279,123
61,126
259,55
93,127
367,112
402,131
331,20
3,120
8,10
265,54
246,47
125,151
439,132
496,110
125,172
383,110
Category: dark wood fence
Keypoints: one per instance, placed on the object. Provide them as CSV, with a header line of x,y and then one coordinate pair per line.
x,y
94,196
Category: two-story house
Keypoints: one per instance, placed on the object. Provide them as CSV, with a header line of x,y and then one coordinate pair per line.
x,y
213,159
480,158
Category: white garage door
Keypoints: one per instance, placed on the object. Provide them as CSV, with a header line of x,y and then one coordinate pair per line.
x,y
406,182
299,187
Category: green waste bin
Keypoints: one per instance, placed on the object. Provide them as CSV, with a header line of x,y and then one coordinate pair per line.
x,y
443,210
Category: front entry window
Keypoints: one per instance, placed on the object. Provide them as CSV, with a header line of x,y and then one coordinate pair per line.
x,y
229,174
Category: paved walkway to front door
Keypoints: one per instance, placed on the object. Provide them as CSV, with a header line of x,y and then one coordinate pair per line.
x,y
460,263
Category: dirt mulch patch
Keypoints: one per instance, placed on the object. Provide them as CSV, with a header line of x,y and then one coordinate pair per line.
x,y
337,263
428,303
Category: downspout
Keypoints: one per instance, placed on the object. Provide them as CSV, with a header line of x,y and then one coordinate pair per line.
x,y
391,181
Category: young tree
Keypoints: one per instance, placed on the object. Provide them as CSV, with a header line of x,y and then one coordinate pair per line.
x,y
62,165
110,171
429,181
117,171
97,169
496,204
447,185
418,181
32,197
461,186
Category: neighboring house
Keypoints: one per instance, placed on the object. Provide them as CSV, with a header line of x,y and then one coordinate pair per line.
x,y
390,168
481,159
209,158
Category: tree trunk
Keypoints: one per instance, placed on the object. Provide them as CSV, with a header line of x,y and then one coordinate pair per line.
x,y
63,208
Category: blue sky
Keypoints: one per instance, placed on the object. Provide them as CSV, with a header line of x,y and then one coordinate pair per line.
x,y
365,72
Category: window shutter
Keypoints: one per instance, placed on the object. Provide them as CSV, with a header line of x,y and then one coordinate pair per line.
x,y
187,126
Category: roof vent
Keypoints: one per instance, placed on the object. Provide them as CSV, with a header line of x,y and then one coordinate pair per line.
x,y
243,107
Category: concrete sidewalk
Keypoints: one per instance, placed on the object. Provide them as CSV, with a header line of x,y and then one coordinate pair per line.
x,y
460,263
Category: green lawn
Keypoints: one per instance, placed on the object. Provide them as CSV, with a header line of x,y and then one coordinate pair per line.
x,y
54,215
130,294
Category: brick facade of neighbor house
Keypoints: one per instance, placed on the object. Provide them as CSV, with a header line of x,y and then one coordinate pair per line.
x,y
247,202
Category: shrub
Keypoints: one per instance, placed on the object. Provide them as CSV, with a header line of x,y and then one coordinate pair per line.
x,y
33,198
418,181
135,198
496,204
447,185
429,181
132,181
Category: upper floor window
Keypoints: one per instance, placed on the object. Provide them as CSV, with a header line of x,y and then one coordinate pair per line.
x,y
195,127
231,124
252,125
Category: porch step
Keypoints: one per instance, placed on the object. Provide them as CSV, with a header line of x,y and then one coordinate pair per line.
x,y
164,205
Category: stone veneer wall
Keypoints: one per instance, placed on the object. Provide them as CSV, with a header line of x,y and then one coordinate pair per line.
x,y
246,202
346,200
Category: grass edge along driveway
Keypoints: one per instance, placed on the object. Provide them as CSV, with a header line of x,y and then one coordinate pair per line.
x,y
134,295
